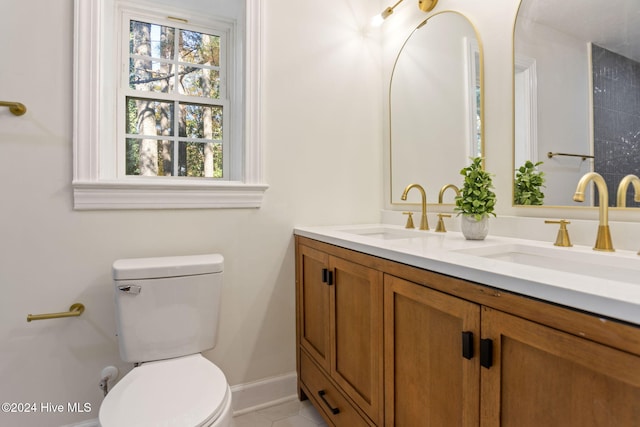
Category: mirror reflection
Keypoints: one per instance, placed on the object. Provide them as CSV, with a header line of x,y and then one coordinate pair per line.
x,y
577,94
435,106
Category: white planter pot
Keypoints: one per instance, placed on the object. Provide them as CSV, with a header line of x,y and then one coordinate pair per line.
x,y
473,229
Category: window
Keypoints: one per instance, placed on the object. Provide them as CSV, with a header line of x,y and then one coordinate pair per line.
x,y
164,116
174,101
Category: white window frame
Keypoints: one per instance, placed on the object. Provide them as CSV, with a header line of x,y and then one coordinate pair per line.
x,y
474,79
526,110
96,184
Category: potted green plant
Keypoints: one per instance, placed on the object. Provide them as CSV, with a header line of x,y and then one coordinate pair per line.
x,y
527,185
476,201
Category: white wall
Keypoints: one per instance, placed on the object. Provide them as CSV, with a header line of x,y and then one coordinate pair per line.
x,y
323,142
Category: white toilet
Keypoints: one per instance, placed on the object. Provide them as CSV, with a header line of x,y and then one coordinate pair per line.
x,y
167,313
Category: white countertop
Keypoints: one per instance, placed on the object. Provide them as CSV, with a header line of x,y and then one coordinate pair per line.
x,y
444,253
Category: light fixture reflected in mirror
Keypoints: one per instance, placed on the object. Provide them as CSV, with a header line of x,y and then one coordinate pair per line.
x,y
424,5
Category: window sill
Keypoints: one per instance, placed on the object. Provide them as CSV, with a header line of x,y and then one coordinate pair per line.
x,y
109,195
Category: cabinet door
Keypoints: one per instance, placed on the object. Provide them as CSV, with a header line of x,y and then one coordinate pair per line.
x,y
313,304
356,324
428,380
544,377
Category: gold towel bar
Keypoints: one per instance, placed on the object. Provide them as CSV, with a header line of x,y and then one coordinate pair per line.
x,y
75,310
16,108
583,156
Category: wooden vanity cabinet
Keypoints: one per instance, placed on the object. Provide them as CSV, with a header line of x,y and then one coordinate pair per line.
x,y
393,345
339,334
544,377
431,377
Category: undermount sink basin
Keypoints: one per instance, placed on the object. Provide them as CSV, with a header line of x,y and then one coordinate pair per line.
x,y
387,233
605,265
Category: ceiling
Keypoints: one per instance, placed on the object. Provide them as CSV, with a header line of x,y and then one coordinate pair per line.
x,y
614,24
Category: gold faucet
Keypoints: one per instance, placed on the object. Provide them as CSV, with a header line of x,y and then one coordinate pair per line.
x,y
440,228
424,225
409,220
603,239
444,188
622,190
562,239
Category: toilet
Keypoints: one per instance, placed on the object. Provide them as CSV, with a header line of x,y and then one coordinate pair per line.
x,y
167,313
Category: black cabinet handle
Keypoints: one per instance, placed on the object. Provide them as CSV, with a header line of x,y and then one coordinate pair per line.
x,y
327,276
467,344
486,353
334,411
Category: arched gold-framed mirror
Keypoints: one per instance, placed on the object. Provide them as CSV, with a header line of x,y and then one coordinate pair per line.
x,y
577,92
435,106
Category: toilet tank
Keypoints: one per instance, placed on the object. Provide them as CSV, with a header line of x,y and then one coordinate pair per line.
x,y
167,307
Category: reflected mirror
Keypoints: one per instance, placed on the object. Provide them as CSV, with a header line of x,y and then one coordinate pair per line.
x,y
577,93
435,106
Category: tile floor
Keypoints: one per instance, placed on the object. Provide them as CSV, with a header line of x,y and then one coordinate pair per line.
x,y
289,414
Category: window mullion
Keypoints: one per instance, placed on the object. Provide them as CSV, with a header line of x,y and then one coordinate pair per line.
x,y
174,139
160,96
176,105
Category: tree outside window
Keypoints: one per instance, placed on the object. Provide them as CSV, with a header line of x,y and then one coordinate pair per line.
x,y
174,108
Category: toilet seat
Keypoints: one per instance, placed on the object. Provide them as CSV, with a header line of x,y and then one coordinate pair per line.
x,y
187,391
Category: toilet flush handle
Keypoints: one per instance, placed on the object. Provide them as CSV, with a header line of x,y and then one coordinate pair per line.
x,y
131,289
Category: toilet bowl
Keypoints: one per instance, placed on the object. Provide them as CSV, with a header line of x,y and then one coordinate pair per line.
x,y
167,314
184,391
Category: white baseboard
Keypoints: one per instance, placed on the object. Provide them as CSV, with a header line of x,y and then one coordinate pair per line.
x,y
264,393
248,397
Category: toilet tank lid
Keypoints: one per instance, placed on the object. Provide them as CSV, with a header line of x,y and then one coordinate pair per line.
x,y
153,268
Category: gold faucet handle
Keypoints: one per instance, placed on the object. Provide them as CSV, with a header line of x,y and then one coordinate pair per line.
x,y
563,234
409,220
440,228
